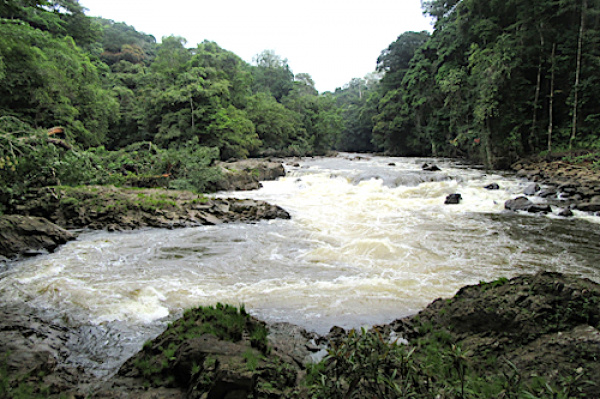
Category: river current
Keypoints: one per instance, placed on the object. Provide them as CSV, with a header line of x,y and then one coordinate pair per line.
x,y
370,240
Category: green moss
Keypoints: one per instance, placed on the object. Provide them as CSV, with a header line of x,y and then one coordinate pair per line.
x,y
226,322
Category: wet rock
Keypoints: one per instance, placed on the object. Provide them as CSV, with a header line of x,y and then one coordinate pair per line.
x,y
247,174
531,189
107,207
493,186
453,199
430,168
588,207
543,324
524,204
27,235
518,204
567,213
547,193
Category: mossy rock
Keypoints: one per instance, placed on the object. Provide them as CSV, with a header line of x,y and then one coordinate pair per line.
x,y
219,350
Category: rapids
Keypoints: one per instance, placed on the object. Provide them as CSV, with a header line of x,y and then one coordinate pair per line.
x,y
370,240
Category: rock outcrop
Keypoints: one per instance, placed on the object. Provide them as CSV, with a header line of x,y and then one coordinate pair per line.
x,y
524,204
546,325
247,174
107,207
578,184
27,235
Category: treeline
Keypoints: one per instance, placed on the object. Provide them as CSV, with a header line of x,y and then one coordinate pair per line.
x,y
496,80
99,99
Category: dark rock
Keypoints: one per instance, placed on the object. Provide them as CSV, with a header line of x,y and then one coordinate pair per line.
x,y
493,186
567,213
28,235
518,204
524,204
430,168
532,189
247,174
588,207
545,325
391,164
107,207
453,199
547,193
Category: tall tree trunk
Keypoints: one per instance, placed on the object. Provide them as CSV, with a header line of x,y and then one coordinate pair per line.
x,y
537,93
578,73
551,107
192,113
489,156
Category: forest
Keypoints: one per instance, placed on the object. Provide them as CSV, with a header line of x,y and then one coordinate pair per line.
x,y
86,100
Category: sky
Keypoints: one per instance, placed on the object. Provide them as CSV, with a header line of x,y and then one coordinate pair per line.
x,y
332,40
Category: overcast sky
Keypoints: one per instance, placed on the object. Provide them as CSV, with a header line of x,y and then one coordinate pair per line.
x,y
332,40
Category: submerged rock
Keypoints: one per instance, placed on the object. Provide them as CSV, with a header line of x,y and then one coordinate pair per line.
x,y
493,186
29,235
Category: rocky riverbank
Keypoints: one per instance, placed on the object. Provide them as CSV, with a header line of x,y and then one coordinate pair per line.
x,y
531,335
28,236
577,185
46,212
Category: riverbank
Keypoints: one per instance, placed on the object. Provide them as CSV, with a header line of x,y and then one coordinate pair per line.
x,y
536,334
41,218
575,183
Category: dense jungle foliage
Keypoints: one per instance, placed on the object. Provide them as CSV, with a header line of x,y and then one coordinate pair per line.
x,y
496,80
87,99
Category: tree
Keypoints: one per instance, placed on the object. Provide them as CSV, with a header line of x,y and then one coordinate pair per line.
x,y
49,81
272,75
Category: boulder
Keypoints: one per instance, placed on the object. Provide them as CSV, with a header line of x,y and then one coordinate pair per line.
x,y
532,189
430,168
453,199
493,186
523,204
567,213
28,235
588,207
247,174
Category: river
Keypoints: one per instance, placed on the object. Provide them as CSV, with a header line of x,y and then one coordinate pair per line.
x,y
370,240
